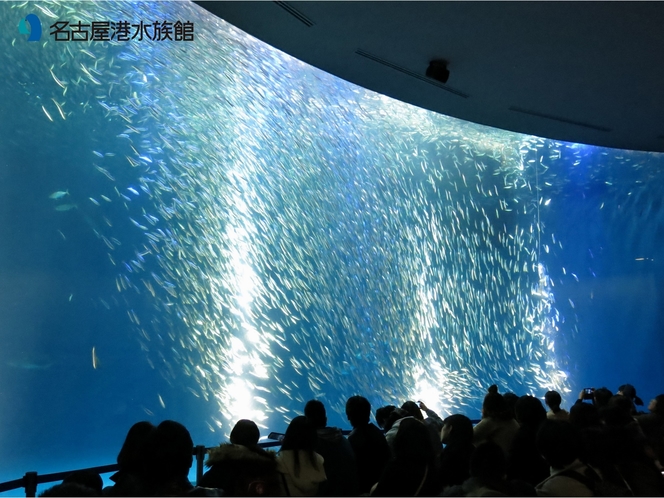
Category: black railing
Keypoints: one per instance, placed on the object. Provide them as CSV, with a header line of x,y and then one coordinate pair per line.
x,y
31,480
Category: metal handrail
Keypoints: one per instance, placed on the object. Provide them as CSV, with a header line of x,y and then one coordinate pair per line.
x,y
31,480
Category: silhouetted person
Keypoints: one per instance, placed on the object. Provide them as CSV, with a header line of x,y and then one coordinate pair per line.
x,y
559,442
599,397
242,468
524,461
629,391
412,471
300,466
553,401
86,478
170,452
497,424
383,413
368,442
339,459
652,425
69,489
130,479
510,402
245,432
488,468
627,448
457,437
394,418
434,424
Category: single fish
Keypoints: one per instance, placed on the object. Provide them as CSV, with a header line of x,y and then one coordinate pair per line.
x,y
47,114
65,207
95,359
29,365
59,194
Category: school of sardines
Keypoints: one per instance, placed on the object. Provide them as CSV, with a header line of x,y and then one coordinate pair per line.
x,y
299,236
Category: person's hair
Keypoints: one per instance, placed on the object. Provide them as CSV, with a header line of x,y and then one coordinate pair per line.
x,y
314,410
382,414
413,410
413,442
618,412
601,397
300,435
559,442
510,402
553,400
488,462
493,389
659,404
253,473
132,455
462,430
245,433
396,414
494,406
529,411
170,452
69,489
584,415
358,411
86,478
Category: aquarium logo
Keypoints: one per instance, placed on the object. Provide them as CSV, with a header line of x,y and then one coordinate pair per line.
x,y
35,29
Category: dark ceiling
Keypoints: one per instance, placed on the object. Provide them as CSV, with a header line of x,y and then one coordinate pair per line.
x,y
589,72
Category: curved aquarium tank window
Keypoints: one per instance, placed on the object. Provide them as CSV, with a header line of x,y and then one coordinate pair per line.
x,y
210,230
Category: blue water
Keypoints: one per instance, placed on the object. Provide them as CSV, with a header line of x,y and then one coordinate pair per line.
x,y
243,232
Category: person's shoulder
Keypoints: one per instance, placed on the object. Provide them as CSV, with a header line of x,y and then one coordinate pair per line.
x,y
373,430
201,491
235,452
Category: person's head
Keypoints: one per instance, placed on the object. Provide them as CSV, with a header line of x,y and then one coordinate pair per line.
x,y
314,410
396,414
457,429
559,442
494,406
656,405
584,415
488,462
132,454
618,412
300,435
601,397
413,410
170,452
553,400
529,411
413,442
358,411
382,414
256,474
510,402
629,391
86,478
245,433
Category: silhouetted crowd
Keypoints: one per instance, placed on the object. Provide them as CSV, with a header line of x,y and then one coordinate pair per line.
x,y
602,447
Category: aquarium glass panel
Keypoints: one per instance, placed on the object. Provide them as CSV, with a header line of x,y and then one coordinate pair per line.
x,y
206,230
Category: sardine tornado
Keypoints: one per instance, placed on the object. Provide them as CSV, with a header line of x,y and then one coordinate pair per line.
x,y
296,236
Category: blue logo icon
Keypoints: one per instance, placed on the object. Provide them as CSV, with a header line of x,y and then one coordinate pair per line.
x,y
35,29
